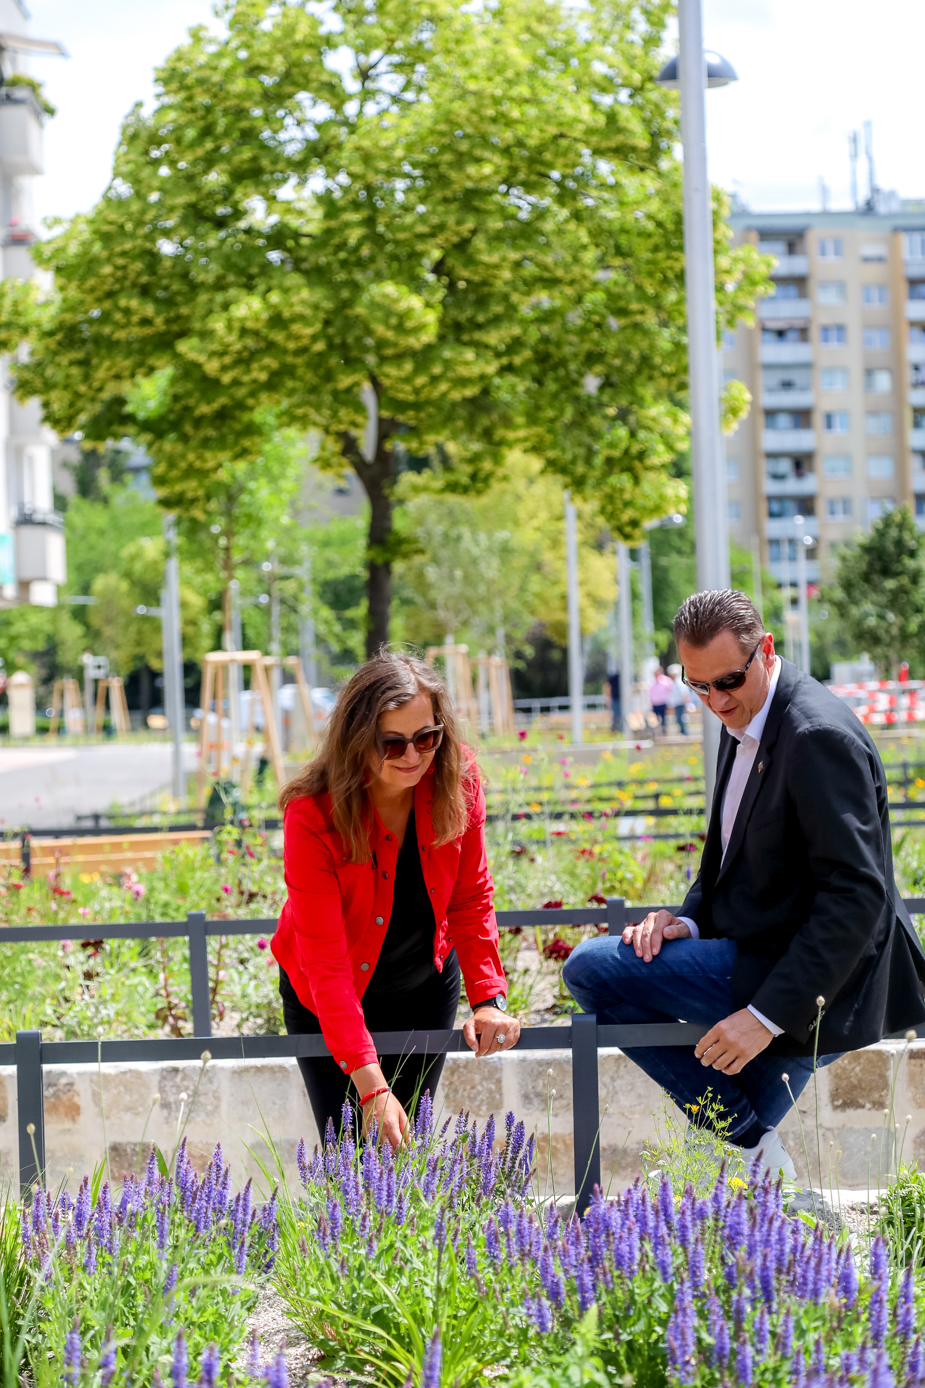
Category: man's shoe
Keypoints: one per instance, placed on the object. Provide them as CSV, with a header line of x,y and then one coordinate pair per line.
x,y
773,1156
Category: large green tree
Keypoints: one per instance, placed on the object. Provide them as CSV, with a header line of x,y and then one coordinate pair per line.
x,y
407,224
879,590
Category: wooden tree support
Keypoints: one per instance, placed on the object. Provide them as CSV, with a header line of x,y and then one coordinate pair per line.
x,y
494,670
66,703
215,663
292,662
118,708
458,679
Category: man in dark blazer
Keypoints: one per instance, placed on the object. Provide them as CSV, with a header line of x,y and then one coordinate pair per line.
x,y
792,943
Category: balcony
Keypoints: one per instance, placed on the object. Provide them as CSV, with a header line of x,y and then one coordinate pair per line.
x,y
783,528
791,267
20,132
781,574
917,395
807,485
40,555
915,351
787,400
786,353
769,309
915,310
788,440
917,438
915,269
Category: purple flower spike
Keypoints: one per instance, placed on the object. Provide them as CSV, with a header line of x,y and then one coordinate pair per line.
x,y
915,1364
433,1359
878,1259
848,1279
798,1369
881,1375
905,1306
209,1365
73,1353
108,1360
681,1337
877,1312
180,1363
785,1336
252,1368
301,1158
762,1334
744,1361
276,1374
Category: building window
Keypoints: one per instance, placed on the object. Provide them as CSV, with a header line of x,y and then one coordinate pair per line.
x,y
735,512
920,505
835,421
917,374
879,422
729,340
783,419
878,506
918,419
829,248
880,465
917,289
834,378
916,332
779,550
782,335
918,462
836,465
875,295
914,245
874,250
830,292
838,508
878,380
833,335
785,289
785,507
732,470
877,339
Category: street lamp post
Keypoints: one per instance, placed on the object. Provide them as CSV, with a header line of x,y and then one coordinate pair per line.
x,y
803,542
692,71
575,663
626,634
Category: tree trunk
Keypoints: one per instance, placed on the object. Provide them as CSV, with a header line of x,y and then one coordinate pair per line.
x,y
376,477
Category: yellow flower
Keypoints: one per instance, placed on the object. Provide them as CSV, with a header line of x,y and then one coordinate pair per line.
x,y
582,781
85,877
736,1182
694,1108
526,758
536,806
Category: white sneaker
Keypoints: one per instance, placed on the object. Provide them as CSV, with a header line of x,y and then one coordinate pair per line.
x,y
772,1154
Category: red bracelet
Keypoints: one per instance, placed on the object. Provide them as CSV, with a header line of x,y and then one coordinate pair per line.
x,y
373,1093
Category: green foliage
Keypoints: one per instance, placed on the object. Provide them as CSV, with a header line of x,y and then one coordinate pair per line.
x,y
902,1217
46,641
21,79
735,405
489,238
879,590
579,1366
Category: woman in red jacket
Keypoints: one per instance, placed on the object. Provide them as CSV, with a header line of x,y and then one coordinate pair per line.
x,y
389,895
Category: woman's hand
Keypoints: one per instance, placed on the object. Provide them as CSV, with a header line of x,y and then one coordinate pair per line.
x,y
489,1031
389,1116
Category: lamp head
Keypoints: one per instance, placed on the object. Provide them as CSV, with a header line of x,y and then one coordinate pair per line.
x,y
719,72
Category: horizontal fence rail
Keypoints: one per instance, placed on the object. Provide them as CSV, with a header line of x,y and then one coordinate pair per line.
x,y
583,1037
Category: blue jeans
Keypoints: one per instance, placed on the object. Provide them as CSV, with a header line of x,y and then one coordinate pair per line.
x,y
690,980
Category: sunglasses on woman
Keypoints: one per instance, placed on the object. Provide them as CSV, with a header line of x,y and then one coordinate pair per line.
x,y
392,746
726,683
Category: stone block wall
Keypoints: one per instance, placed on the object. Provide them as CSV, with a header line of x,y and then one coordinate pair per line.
x,y
258,1110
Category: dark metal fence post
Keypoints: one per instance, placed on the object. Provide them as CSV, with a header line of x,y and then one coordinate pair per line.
x,y
199,973
616,915
586,1118
30,1105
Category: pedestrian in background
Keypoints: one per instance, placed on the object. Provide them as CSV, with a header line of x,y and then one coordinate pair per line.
x,y
661,693
679,698
616,704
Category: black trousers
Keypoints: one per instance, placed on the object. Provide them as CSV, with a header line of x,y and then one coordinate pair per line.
x,y
432,1005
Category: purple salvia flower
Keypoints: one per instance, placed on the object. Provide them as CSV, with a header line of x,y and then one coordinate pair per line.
x,y
25,1231
722,1347
848,1278
424,1119
90,1258
718,1195
170,1281
179,1363
107,1365
433,1359
252,1367
551,1280
472,1262
493,1241
819,1358
743,1361
798,1369
879,1260
766,1278
73,1353
209,1365
584,1285
666,1201
301,1159
762,1332
276,1374
696,1264
440,1230
739,1312
661,1250
685,1228
881,1375
785,1335
736,1223
681,1337
915,1364
162,1222
152,1176
877,1313
39,1213
904,1312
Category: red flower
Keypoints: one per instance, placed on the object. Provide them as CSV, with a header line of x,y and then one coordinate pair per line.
x,y
552,905
59,891
17,886
597,899
263,944
522,735
557,949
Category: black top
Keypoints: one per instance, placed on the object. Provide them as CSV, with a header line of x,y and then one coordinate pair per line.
x,y
406,960
806,886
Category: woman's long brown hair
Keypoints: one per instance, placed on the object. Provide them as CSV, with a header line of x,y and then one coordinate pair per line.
x,y
341,767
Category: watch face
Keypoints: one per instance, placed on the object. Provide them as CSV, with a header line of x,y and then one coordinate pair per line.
x,y
501,1003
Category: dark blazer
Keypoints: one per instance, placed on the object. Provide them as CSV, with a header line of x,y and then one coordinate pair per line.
x,y
806,888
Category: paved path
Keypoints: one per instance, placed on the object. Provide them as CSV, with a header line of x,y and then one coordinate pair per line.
x,y
47,786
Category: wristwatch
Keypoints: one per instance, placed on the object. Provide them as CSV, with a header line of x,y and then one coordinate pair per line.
x,y
499,1001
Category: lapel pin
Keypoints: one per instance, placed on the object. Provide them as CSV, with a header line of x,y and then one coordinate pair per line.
x,y
760,767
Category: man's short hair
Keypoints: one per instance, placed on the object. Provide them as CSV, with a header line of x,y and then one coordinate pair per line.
x,y
702,616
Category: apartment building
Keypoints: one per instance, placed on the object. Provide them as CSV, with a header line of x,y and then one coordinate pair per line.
x,y
32,557
836,369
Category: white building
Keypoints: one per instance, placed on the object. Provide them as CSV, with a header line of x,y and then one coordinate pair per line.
x,y
32,558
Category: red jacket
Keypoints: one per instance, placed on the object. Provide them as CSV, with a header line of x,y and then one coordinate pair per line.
x,y
333,924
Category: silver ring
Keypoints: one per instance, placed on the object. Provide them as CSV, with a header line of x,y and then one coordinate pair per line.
x,y
501,1038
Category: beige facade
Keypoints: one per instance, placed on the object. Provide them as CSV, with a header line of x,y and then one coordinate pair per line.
x,y
836,368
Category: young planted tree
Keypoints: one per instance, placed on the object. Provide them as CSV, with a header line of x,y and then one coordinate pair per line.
x,y
879,591
407,224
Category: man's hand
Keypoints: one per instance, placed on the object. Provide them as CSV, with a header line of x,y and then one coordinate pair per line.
x,y
732,1043
647,938
489,1030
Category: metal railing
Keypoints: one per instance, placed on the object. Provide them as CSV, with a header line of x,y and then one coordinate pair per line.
x,y
583,1037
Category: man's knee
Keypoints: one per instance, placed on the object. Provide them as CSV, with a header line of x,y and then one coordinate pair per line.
x,y
589,964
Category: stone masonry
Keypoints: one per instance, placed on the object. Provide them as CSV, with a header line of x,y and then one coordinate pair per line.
x,y
258,1110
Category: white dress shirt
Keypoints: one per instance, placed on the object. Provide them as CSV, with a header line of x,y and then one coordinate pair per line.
x,y
749,740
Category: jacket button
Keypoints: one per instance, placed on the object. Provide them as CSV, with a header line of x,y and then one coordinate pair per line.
x,y
431,891
385,874
378,920
364,967
389,837
343,1065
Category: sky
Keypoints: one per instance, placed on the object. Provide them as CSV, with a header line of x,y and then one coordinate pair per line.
x,y
810,71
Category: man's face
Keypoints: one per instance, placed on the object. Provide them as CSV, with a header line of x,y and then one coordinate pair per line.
x,y
736,707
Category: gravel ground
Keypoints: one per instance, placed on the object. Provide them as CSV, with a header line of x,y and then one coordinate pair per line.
x,y
271,1321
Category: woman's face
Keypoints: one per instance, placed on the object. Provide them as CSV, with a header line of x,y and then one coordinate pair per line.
x,y
408,769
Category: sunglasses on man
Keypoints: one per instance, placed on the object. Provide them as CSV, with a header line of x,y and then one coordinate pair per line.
x,y
726,683
393,746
